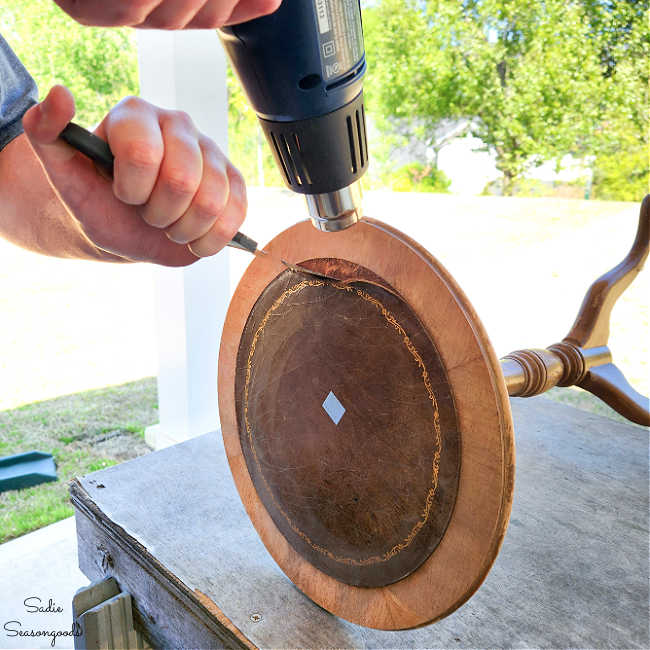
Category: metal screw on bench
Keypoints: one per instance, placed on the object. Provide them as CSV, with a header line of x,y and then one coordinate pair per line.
x,y
105,559
256,617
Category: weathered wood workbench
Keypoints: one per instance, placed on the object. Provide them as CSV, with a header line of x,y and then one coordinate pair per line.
x,y
573,570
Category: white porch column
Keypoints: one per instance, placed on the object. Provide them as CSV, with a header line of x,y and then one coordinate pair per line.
x,y
187,71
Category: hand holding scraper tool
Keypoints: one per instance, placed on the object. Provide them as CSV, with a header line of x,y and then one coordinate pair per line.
x,y
100,153
307,91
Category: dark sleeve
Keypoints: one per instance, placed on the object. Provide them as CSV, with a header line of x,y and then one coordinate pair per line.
x,y
17,93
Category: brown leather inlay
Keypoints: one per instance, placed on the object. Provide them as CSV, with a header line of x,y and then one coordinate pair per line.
x,y
365,498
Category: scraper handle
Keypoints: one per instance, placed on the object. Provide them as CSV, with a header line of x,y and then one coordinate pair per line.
x,y
100,153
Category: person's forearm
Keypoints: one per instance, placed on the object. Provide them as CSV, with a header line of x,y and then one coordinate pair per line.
x,y
32,215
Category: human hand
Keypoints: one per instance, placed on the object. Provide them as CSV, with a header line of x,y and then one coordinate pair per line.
x,y
174,197
167,14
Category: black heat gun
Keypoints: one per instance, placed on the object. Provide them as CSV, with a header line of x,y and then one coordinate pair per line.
x,y
302,68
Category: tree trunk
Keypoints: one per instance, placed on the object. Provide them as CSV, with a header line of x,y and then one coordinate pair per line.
x,y
509,179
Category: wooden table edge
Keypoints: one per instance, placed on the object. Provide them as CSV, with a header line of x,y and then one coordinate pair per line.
x,y
201,605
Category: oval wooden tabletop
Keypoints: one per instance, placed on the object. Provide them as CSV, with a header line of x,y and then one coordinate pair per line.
x,y
367,424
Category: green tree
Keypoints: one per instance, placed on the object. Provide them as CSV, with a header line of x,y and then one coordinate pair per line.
x,y
99,66
416,177
622,154
411,87
620,28
525,74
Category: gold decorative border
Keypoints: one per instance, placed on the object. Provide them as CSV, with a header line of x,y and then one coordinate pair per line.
x,y
391,320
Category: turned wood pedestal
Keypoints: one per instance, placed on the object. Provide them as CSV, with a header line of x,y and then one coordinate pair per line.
x,y
573,569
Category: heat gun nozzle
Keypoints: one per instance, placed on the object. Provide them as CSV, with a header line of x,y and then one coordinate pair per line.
x,y
338,210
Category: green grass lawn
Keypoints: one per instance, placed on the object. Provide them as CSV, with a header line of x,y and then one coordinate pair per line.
x,y
84,432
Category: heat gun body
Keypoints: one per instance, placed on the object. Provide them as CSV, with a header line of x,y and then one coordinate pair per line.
x,y
302,68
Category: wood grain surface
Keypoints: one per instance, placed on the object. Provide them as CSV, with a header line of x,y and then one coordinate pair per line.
x,y
438,584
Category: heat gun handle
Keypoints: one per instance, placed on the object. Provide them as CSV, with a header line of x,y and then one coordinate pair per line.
x,y
100,153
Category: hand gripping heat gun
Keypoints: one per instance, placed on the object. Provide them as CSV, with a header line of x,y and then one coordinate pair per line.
x,y
302,68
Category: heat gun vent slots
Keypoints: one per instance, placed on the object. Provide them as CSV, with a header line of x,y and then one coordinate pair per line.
x,y
292,161
286,154
353,153
299,162
361,141
281,158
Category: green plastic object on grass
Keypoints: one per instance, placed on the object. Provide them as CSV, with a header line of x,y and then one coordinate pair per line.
x,y
26,469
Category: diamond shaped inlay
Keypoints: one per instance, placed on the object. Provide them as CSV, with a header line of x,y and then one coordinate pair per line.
x,y
333,407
